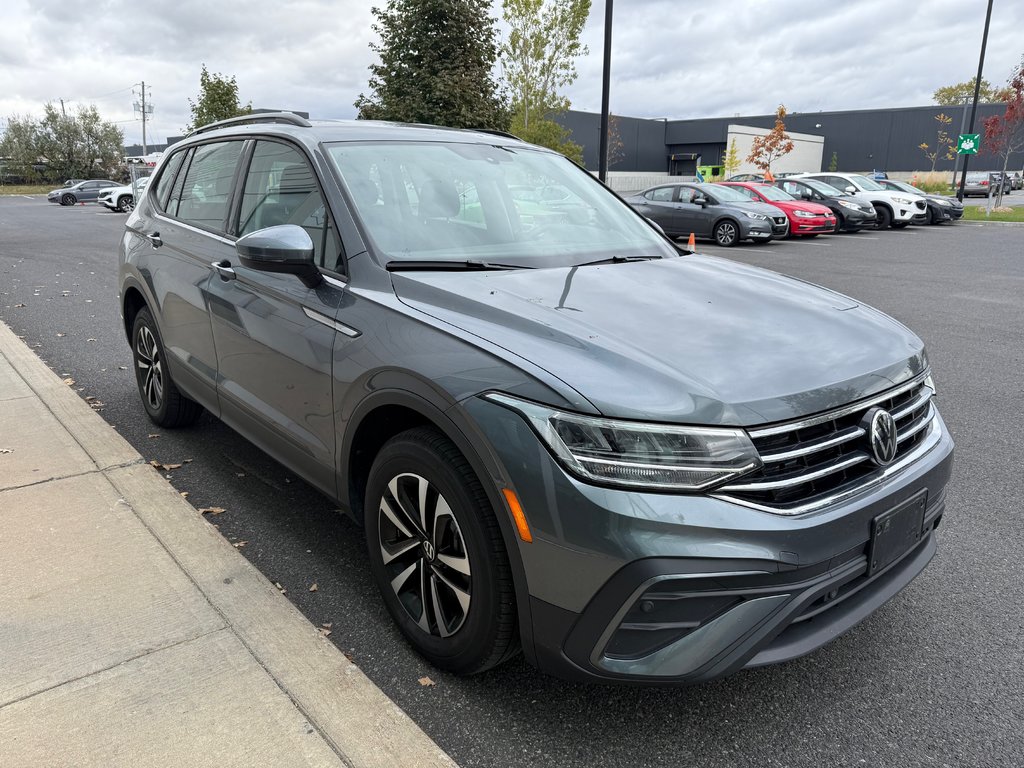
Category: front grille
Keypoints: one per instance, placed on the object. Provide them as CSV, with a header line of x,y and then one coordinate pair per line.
x,y
814,461
921,204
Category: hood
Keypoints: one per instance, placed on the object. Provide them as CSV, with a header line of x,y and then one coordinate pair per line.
x,y
692,339
801,205
766,209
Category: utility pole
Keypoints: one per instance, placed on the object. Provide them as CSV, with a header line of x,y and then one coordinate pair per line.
x,y
977,89
144,118
602,163
62,110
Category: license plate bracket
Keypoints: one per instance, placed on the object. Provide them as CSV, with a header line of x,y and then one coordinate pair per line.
x,y
895,532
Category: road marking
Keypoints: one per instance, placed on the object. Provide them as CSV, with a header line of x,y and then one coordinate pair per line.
x,y
810,242
28,197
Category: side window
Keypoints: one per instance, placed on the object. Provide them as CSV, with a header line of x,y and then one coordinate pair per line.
x,y
281,188
163,184
207,186
687,194
747,193
661,194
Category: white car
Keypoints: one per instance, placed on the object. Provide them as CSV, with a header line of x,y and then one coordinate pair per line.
x,y
896,209
122,198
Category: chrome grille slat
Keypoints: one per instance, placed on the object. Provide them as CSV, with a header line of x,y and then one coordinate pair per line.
x,y
811,462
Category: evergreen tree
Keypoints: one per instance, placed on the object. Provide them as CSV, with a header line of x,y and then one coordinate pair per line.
x,y
435,65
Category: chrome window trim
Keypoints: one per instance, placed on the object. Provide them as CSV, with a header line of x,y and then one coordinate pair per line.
x,y
193,228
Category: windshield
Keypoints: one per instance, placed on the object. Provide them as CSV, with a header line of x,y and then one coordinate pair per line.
x,y
514,204
906,187
868,185
725,194
774,193
826,189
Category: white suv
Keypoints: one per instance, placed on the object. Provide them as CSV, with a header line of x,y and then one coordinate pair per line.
x,y
896,209
123,198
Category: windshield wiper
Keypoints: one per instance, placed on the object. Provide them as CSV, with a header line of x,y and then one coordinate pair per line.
x,y
618,260
443,265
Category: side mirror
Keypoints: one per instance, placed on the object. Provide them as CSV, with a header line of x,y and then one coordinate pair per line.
x,y
701,201
851,190
285,248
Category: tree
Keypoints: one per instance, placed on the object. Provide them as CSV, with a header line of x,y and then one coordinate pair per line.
x,y
765,150
217,100
616,148
78,146
833,164
943,141
732,159
1004,134
19,148
963,93
436,58
538,60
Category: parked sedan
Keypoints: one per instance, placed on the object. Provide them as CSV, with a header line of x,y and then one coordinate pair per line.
x,y
710,211
940,207
805,218
852,213
82,192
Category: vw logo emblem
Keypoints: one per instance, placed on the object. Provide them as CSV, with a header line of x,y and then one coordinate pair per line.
x,y
428,549
882,436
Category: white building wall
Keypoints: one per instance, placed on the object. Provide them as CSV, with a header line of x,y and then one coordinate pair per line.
x,y
806,154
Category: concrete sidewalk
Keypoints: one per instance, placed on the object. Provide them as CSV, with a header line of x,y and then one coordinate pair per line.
x,y
132,633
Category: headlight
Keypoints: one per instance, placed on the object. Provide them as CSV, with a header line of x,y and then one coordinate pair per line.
x,y
758,216
940,201
638,455
845,204
903,200
807,214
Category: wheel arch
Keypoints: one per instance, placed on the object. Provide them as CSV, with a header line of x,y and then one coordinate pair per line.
x,y
387,412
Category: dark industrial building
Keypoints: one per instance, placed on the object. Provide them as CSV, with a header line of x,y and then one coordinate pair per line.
x,y
863,139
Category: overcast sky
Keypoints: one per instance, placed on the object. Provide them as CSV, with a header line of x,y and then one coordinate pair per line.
x,y
671,58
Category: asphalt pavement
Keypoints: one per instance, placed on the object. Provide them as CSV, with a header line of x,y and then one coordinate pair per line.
x,y
934,678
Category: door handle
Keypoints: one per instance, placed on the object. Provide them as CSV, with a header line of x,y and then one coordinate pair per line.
x,y
224,269
154,239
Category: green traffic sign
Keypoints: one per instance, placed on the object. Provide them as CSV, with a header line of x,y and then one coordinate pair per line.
x,y
968,143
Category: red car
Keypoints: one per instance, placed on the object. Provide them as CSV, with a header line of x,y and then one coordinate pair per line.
x,y
805,218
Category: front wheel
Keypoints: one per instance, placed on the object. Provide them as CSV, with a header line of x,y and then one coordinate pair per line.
x,y
68,199
884,218
164,403
126,204
727,233
437,554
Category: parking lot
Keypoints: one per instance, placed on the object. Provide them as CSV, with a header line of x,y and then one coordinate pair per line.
x,y
933,678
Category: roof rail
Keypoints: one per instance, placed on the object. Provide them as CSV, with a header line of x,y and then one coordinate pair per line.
x,y
260,117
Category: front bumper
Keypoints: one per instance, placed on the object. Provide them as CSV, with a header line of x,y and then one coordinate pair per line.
x,y
680,589
915,213
801,226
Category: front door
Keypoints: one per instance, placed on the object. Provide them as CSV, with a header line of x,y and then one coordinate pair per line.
x,y
275,336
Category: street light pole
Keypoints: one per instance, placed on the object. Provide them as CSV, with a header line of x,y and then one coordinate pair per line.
x,y
977,90
602,162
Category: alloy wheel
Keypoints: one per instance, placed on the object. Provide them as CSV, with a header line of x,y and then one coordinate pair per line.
x,y
147,358
424,555
725,233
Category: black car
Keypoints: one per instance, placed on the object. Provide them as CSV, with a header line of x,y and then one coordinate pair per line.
x,y
852,213
940,207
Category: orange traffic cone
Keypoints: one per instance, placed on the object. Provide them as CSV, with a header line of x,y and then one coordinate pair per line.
x,y
691,244
768,177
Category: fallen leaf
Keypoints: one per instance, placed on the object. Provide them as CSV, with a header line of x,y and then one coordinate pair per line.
x,y
161,467
69,381
239,544
278,585
19,306
327,624
152,436
61,335
122,367
6,450
348,656
90,339
212,510
426,681
184,493
314,588
325,632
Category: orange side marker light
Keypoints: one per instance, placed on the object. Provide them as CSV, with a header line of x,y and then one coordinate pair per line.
x,y
517,514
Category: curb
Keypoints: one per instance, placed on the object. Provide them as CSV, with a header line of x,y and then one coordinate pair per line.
x,y
993,223
355,717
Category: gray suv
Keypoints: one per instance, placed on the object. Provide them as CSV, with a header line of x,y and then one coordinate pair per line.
x,y
561,435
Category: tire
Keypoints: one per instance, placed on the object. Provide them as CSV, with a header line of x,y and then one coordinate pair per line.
x,y
450,591
165,405
68,199
727,233
126,203
884,217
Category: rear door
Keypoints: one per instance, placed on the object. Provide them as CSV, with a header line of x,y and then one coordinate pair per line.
x,y
275,336
660,208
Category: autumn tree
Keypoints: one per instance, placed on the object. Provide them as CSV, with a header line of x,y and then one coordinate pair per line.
x,y
217,100
435,62
538,60
962,93
1004,134
616,147
764,150
943,142
732,159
